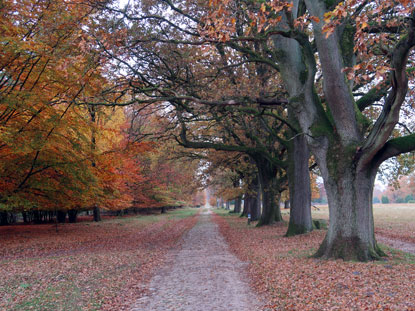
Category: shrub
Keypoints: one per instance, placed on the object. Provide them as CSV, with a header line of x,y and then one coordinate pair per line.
x,y
400,200
408,198
385,199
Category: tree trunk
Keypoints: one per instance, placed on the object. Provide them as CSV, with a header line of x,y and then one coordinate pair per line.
x,y
72,215
350,235
37,217
25,218
257,205
4,219
97,211
247,207
97,214
286,204
270,193
228,205
61,216
299,185
271,208
238,205
163,209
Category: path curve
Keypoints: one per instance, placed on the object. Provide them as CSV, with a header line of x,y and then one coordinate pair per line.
x,y
397,244
202,275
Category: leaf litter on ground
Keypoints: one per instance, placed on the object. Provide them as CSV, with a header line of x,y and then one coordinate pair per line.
x,y
282,270
85,266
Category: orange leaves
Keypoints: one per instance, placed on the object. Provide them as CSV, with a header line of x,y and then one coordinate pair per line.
x,y
315,19
45,136
220,23
333,18
282,270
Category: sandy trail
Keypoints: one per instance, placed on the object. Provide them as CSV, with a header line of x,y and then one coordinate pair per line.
x,y
201,275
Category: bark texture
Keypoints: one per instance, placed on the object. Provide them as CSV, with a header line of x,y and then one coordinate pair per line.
x,y
299,185
270,188
350,234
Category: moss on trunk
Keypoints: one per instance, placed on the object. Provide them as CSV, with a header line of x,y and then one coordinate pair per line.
x,y
294,229
349,249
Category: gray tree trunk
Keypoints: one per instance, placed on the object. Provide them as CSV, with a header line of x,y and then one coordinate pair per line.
x,y
270,189
299,185
238,205
257,207
351,231
270,200
247,207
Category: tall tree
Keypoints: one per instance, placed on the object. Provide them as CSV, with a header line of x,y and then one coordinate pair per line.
x,y
348,136
347,145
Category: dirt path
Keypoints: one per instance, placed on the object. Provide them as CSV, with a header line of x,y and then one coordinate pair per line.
x,y
200,276
397,244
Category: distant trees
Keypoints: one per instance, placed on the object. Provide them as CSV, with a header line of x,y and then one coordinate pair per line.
x,y
401,190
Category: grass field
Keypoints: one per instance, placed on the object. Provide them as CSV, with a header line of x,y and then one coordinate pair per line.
x,y
396,221
85,266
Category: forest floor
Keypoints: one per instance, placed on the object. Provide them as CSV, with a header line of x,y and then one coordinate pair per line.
x,y
181,261
86,266
201,275
282,269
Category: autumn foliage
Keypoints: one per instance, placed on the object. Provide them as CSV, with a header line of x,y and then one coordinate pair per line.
x,y
59,150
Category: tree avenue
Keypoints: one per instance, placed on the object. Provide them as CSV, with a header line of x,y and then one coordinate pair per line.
x,y
345,68
96,97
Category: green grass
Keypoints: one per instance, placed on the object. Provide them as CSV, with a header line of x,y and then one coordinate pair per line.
x,y
396,256
224,212
53,298
181,213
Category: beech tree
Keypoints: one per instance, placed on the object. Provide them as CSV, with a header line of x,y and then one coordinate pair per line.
x,y
60,149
